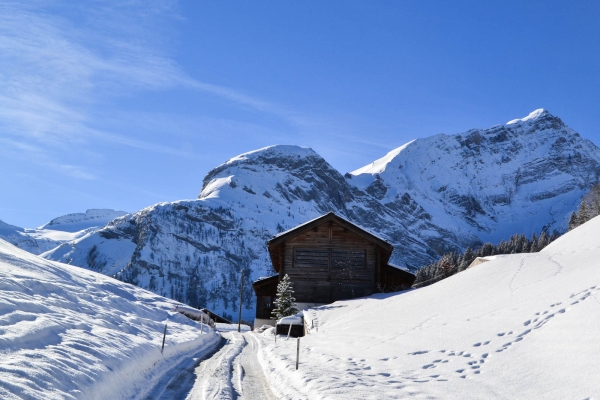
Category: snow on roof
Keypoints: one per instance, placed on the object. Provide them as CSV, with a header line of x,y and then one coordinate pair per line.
x,y
291,320
264,278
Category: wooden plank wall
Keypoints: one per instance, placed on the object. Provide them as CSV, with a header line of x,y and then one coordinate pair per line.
x,y
330,263
265,297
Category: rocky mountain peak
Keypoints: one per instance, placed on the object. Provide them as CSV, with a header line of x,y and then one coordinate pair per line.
x,y
431,196
293,159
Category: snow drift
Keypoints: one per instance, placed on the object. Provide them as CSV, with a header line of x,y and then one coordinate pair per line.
x,y
523,326
69,333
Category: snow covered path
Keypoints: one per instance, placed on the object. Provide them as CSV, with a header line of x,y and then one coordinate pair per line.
x,y
249,378
180,379
232,373
69,333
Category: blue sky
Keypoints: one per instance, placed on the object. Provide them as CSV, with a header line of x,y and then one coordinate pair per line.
x,y
125,104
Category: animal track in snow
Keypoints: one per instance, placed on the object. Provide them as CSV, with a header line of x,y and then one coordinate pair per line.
x,y
471,364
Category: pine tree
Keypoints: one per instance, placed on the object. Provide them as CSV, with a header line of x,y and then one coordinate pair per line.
x,y
583,213
448,265
593,200
285,302
573,221
467,259
543,241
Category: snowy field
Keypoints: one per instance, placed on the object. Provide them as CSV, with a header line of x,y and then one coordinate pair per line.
x,y
68,333
524,326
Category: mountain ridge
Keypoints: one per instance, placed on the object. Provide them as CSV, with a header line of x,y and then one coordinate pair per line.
x,y
439,194
59,230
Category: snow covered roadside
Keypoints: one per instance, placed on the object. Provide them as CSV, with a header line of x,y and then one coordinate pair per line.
x,y
69,333
522,326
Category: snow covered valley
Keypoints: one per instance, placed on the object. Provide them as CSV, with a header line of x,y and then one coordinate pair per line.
x,y
524,326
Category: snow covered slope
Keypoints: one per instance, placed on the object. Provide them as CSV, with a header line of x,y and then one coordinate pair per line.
x,y
68,333
519,177
427,197
524,326
59,230
94,218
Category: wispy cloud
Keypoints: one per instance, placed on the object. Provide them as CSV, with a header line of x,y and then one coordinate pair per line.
x,y
40,157
58,61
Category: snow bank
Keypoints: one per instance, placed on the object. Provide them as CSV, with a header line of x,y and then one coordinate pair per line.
x,y
222,327
68,333
524,326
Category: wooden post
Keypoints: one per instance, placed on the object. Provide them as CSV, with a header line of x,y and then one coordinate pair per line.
x,y
297,353
290,331
241,293
201,324
164,337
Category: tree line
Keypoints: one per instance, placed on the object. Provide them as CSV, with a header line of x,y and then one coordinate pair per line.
x,y
452,263
588,208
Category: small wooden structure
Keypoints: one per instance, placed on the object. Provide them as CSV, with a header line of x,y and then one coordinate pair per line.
x,y
477,261
215,317
265,289
329,259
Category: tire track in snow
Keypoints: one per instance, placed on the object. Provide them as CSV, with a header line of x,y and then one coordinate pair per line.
x,y
249,379
180,379
232,373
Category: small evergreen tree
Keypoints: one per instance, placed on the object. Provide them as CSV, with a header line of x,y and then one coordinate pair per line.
x,y
285,302
583,213
573,221
543,240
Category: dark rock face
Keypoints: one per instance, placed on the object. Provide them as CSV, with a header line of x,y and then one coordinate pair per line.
x,y
438,194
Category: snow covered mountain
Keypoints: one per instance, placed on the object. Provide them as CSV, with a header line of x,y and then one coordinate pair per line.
x,y
429,196
193,250
521,326
520,177
94,218
59,230
68,333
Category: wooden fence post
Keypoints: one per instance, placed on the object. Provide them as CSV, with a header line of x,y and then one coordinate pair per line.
x,y
241,298
297,353
164,337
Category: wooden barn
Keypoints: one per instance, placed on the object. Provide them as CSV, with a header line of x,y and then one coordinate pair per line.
x,y
328,259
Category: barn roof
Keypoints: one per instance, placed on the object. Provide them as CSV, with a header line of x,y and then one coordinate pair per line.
x,y
265,279
280,238
330,216
400,268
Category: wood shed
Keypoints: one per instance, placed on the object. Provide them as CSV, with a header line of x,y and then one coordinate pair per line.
x,y
328,259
